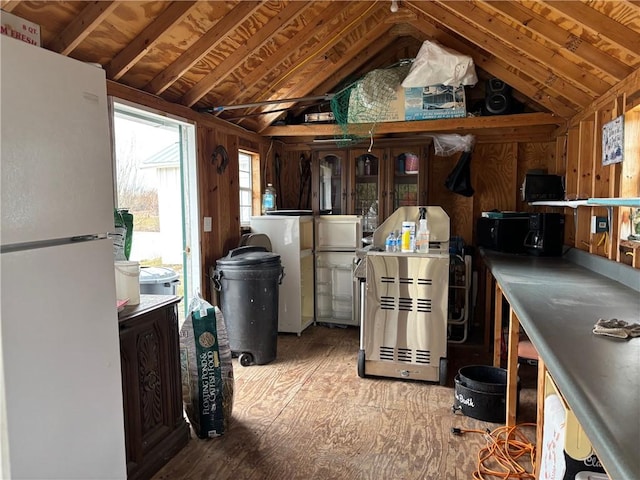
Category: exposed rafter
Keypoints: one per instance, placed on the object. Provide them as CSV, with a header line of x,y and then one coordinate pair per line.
x,y
548,30
561,67
133,52
291,49
202,47
558,56
85,23
228,64
600,24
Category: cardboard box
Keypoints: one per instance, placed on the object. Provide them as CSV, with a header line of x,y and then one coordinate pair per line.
x,y
566,452
16,27
438,101
418,103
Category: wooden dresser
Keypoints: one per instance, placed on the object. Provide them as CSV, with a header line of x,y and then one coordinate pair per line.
x,y
155,427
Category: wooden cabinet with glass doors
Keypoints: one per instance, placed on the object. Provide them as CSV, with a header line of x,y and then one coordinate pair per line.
x,y
356,181
406,177
366,192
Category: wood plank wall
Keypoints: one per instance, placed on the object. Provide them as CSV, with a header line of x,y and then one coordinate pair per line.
x,y
497,173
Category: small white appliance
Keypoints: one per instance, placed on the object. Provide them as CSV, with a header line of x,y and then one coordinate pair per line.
x,y
337,238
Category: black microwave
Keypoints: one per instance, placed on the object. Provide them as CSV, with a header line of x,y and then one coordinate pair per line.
x,y
503,234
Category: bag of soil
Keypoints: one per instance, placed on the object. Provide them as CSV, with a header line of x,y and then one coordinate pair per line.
x,y
207,371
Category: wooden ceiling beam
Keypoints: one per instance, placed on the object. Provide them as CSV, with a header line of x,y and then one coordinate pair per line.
x,y
320,49
570,43
374,30
140,45
601,25
470,124
499,69
512,57
202,46
9,5
629,86
81,27
322,23
376,55
560,66
225,68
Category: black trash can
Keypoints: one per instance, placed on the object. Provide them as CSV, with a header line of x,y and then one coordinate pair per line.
x,y
481,392
248,279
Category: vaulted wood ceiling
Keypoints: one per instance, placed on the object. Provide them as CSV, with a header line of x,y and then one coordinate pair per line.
x,y
559,56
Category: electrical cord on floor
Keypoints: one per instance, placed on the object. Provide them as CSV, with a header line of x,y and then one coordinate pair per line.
x,y
499,458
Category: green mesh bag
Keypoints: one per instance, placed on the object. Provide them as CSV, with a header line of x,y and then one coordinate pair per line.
x,y
359,107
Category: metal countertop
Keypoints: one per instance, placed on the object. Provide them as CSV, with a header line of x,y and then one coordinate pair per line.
x,y
558,302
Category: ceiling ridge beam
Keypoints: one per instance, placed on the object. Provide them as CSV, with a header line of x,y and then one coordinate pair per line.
x,y
560,66
249,81
569,42
202,46
226,66
140,45
600,24
500,50
81,27
494,66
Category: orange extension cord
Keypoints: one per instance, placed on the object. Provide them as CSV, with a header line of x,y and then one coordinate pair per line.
x,y
499,458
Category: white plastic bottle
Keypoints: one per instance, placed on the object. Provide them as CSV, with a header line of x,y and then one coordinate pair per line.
x,y
269,199
423,237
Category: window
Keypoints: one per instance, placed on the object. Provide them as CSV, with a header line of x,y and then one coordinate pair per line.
x,y
245,167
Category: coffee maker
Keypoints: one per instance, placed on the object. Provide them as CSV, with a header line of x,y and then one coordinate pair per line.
x,y
546,234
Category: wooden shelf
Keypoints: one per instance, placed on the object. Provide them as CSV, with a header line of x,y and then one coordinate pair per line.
x,y
591,202
614,202
466,125
560,203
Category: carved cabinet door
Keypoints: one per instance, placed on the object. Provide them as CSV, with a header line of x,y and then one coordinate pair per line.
x,y
149,350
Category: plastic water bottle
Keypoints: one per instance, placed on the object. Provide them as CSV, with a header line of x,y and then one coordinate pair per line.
x,y
398,241
269,199
390,243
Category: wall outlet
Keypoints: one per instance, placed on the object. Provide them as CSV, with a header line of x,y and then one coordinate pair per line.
x,y
599,224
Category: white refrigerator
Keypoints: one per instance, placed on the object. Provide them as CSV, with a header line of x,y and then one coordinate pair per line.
x,y
61,406
337,239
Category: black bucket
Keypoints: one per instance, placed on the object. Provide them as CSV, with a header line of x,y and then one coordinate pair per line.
x,y
248,279
481,392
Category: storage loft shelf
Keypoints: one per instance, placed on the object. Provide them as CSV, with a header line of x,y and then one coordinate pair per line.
x,y
539,123
614,202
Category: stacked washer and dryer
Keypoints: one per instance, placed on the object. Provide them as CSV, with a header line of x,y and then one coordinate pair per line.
x,y
403,302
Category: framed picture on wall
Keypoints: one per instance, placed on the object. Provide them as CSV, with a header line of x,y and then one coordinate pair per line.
x,y
613,141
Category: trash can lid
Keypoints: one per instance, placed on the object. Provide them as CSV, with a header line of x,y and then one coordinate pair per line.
x,y
157,275
249,255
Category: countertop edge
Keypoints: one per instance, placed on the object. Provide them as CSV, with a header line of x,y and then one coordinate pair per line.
x,y
599,432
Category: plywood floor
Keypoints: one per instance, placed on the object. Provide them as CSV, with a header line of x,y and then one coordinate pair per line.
x,y
307,415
